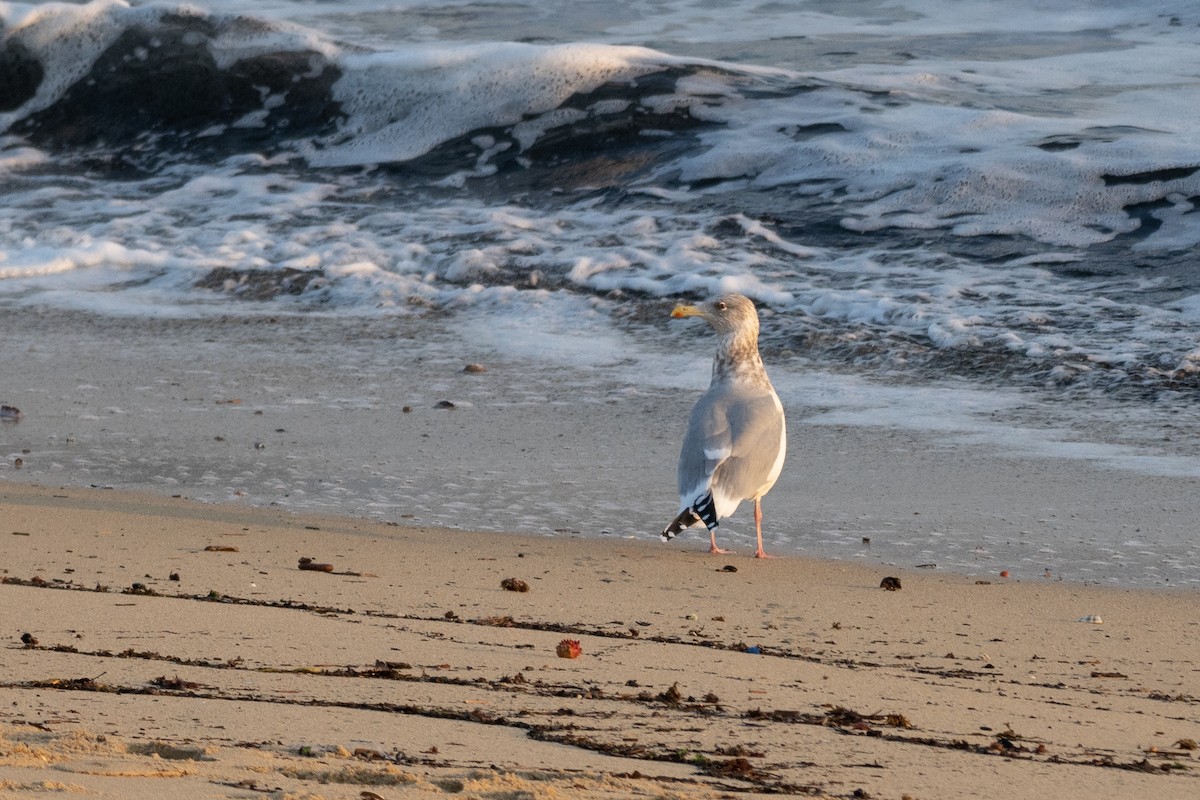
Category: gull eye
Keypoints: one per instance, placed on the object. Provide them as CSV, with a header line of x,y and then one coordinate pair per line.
x,y
721,305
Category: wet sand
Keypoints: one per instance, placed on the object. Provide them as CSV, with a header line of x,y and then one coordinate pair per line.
x,y
377,418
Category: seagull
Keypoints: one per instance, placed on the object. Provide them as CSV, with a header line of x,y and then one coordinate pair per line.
x,y
736,438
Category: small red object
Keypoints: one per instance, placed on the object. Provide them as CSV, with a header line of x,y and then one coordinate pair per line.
x,y
1003,573
568,648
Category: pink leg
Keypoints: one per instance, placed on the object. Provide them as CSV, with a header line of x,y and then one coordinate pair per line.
x,y
712,548
758,529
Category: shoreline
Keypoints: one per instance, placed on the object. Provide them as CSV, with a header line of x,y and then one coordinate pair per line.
x,y
410,671
310,415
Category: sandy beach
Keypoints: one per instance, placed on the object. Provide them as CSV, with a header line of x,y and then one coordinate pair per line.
x,y
160,647
162,639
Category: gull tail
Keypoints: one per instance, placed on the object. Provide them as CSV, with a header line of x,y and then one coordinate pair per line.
x,y
703,510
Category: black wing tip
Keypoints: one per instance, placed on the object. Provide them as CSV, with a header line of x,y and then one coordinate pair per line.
x,y
704,510
686,519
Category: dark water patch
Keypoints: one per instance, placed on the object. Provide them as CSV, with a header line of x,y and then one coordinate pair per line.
x,y
160,85
20,75
1150,176
803,132
1148,223
1056,144
1103,134
262,284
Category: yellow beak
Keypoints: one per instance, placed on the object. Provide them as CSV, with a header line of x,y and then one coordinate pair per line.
x,y
681,311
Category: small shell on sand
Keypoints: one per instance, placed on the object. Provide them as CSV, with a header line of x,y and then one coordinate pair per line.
x,y
313,566
568,648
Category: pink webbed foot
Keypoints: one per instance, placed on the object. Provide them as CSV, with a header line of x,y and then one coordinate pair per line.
x,y
712,545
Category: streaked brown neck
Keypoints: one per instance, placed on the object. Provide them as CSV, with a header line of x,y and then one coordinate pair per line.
x,y
737,358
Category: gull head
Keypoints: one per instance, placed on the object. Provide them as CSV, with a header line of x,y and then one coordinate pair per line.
x,y
727,314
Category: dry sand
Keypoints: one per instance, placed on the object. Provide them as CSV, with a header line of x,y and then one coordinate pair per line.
x,y
409,671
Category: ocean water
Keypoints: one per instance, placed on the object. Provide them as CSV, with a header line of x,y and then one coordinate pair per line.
x,y
997,198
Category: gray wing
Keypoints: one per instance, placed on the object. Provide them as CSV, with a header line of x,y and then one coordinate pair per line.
x,y
732,441
707,443
757,431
